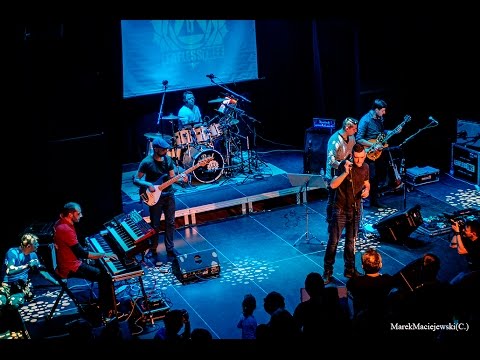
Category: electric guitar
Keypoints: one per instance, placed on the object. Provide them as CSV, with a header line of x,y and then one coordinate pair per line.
x,y
151,197
374,151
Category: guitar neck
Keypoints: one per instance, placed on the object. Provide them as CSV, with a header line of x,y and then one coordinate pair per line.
x,y
177,177
397,129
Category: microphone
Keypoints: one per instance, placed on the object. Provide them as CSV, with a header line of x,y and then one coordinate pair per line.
x,y
210,76
433,120
165,82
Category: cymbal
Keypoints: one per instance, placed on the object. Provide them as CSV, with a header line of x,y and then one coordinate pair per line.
x,y
229,122
158,135
170,117
216,101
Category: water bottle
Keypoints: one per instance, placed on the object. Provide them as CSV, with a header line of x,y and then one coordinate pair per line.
x,y
322,172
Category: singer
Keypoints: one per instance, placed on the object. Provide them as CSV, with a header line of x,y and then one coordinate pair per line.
x,y
351,185
16,287
340,146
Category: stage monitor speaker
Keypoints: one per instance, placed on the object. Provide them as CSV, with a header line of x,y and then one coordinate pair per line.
x,y
196,266
315,154
397,227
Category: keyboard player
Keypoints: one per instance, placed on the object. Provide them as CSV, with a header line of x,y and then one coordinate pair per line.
x,y
70,256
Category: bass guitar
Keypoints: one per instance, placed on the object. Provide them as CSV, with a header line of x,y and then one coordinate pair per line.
x,y
374,151
151,197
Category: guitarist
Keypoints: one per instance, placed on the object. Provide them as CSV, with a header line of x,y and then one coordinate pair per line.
x,y
153,170
369,128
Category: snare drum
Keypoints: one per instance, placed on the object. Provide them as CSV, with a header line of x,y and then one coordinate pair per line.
x,y
183,137
201,134
215,130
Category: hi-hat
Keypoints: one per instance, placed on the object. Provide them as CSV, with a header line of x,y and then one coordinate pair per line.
x,y
216,101
170,117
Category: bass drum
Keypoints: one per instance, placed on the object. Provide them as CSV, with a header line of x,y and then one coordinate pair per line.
x,y
208,173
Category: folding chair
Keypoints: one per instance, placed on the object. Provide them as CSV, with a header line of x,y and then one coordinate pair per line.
x,y
64,290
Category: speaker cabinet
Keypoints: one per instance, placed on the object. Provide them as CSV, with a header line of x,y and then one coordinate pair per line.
x,y
315,154
397,227
468,134
196,266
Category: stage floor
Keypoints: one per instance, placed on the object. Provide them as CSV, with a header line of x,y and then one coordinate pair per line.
x,y
261,251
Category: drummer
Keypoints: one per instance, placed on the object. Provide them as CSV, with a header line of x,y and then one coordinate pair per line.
x,y
189,113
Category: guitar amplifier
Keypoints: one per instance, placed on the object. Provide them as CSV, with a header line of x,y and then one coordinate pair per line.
x,y
327,124
468,134
465,164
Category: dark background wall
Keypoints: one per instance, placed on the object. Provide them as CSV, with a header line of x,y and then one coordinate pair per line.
x,y
76,131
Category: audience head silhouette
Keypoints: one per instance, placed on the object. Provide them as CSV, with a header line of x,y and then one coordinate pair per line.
x,y
273,301
314,285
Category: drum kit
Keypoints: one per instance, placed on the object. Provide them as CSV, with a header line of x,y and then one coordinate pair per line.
x,y
217,137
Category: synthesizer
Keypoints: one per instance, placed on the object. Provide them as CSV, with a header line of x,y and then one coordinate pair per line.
x,y
129,232
121,269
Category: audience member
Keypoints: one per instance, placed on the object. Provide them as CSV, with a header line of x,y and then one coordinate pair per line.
x,y
281,325
201,336
369,294
425,299
321,311
173,322
467,244
247,322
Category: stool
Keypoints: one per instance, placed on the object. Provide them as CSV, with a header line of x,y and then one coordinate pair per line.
x,y
64,290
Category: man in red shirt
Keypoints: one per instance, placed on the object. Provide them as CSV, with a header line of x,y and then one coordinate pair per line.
x,y
70,254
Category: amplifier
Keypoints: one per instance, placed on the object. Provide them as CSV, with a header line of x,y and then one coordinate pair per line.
x,y
420,176
321,123
465,164
468,134
44,231
196,266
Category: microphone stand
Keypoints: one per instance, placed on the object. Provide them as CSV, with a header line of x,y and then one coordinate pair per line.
x,y
230,91
355,213
306,235
403,168
160,113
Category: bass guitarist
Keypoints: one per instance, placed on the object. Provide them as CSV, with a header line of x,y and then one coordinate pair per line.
x,y
154,168
371,131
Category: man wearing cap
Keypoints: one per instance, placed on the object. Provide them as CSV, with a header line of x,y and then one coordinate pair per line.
x,y
154,170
